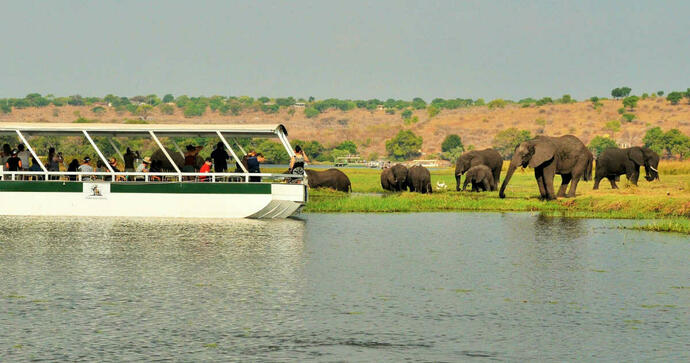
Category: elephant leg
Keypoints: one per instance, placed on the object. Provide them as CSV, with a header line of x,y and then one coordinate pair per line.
x,y
457,183
576,176
548,174
539,176
565,179
497,177
636,175
597,179
612,180
464,185
486,185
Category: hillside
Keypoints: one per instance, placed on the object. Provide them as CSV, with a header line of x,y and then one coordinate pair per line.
x,y
476,125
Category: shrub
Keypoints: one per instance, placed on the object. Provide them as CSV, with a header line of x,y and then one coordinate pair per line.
x,y
544,101
418,103
270,108
406,114
75,100
674,97
5,106
311,112
451,141
98,110
566,99
166,109
168,98
136,122
432,111
193,109
628,117
630,102
497,103
621,110
348,146
505,141
479,102
390,111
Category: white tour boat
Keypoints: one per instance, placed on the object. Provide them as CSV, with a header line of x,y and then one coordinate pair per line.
x,y
172,193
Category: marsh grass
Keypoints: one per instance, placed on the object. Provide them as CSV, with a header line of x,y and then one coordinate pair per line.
x,y
667,198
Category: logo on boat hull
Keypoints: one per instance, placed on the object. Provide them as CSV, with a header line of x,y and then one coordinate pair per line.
x,y
96,190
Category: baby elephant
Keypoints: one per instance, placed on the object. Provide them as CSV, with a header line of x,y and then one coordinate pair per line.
x,y
481,178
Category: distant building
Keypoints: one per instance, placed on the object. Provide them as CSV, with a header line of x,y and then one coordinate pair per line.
x,y
299,105
379,107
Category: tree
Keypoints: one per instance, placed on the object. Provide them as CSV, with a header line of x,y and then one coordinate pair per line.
x,y
601,143
630,102
418,103
654,139
433,111
659,93
544,101
405,145
406,114
263,99
628,117
168,98
687,95
5,106
348,146
625,91
674,97
616,93
497,103
451,142
311,112
566,99
677,143
166,109
143,111
507,140
613,126
75,100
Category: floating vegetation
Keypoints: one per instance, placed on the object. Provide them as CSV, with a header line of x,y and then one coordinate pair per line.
x,y
211,345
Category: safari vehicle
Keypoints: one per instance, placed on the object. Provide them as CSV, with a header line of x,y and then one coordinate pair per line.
x,y
171,193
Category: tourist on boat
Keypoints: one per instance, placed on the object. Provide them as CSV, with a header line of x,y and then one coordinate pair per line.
x,y
72,167
35,167
206,168
23,155
130,157
13,163
86,167
297,163
254,165
220,158
143,167
113,165
156,167
190,159
5,153
100,168
54,161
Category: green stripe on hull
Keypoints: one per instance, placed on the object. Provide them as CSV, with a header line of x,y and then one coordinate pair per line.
x,y
191,188
134,187
40,186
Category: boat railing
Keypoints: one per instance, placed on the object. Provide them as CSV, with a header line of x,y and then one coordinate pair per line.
x,y
145,176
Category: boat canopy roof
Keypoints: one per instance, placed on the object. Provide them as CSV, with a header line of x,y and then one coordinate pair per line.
x,y
128,130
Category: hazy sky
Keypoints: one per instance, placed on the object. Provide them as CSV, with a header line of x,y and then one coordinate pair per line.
x,y
343,49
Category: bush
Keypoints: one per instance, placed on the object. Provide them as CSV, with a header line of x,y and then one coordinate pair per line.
x,y
168,98
507,140
390,111
5,106
311,112
544,101
628,117
418,103
621,110
193,109
270,108
98,110
348,146
75,100
432,111
497,103
166,109
630,102
406,114
405,145
566,99
674,97
451,141
601,143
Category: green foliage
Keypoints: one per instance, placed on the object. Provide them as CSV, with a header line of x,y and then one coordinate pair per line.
x,y
343,105
645,96
193,109
621,110
166,109
405,145
132,108
411,120
566,99
497,103
274,152
687,94
98,110
432,111
418,103
452,154
136,122
594,99
215,102
479,102
82,120
452,104
451,141
348,146
5,106
630,102
507,140
601,143
613,126
285,102
654,139
181,101
544,101
75,100
263,99
659,93
311,112
36,100
390,111
674,97
673,142
168,98
406,114
628,117
144,111
620,92
270,108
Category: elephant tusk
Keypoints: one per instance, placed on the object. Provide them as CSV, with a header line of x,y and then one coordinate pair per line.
x,y
651,167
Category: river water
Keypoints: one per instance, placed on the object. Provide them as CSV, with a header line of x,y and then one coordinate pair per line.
x,y
355,287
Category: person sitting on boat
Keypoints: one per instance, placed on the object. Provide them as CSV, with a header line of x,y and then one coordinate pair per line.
x,y
156,167
143,168
113,165
206,168
86,167
100,168
13,163
72,167
297,163
35,167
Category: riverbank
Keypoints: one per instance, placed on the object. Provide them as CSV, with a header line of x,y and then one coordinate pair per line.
x,y
667,200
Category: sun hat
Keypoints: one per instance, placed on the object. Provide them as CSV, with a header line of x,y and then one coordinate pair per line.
x,y
147,160
87,159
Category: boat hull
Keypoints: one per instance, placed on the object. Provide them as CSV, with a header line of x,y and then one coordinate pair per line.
x,y
169,200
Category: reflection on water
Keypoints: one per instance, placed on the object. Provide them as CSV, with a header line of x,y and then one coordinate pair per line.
x,y
439,287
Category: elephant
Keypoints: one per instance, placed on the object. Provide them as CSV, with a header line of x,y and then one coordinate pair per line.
x,y
159,156
419,179
613,162
481,178
394,178
330,178
489,157
564,155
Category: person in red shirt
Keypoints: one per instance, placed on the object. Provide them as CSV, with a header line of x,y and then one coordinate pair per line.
x,y
206,168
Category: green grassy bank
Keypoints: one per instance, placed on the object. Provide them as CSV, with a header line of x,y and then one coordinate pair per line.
x,y
667,201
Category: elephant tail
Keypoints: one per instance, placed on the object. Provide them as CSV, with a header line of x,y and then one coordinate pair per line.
x,y
588,169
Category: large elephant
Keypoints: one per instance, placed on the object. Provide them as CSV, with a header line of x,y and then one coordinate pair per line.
x,y
613,162
394,178
330,178
565,155
419,179
159,156
489,157
481,178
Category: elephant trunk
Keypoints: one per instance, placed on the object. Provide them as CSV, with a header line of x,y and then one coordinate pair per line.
x,y
511,170
458,177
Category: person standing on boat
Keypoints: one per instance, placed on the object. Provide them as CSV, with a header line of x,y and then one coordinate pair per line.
x,y
254,165
54,161
24,155
220,158
297,163
6,153
13,163
86,167
129,157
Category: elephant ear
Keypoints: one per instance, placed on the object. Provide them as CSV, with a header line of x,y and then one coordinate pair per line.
x,y
635,154
543,152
